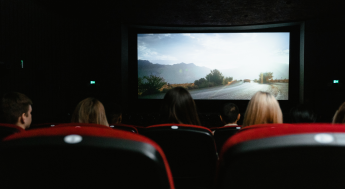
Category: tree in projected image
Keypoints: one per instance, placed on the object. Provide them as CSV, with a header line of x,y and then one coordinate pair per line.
x,y
265,77
215,77
150,84
140,86
201,83
227,80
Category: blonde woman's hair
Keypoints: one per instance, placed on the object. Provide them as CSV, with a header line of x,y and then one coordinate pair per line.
x,y
90,110
262,108
339,116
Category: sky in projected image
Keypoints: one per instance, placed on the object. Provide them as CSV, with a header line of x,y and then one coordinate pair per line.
x,y
257,51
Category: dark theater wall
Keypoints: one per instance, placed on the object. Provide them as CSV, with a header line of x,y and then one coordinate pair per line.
x,y
324,60
62,52
66,44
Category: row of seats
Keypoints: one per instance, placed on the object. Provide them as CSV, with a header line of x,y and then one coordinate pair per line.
x,y
220,136
183,142
82,157
147,119
181,156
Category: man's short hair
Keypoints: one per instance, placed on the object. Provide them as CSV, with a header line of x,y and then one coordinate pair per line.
x,y
229,113
13,105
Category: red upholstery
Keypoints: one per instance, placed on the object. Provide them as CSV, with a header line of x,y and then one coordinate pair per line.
x,y
221,134
190,150
9,129
272,125
316,124
96,132
179,125
284,156
272,130
265,125
80,124
12,126
84,131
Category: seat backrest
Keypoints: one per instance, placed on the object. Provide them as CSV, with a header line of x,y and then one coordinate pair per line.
x,y
80,125
9,129
43,125
272,125
124,127
221,134
190,151
83,157
294,156
140,128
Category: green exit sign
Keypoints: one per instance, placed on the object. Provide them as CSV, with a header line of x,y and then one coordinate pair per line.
x,y
335,81
92,82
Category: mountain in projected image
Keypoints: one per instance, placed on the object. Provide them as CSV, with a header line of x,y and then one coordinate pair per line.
x,y
173,74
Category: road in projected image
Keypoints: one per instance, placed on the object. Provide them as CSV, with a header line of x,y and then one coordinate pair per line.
x,y
214,65
236,91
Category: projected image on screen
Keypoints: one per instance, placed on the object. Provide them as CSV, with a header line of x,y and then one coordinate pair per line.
x,y
221,66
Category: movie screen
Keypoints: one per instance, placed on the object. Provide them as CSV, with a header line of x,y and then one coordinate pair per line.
x,y
224,66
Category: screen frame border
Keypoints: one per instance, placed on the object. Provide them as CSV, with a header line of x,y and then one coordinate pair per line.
x,y
127,31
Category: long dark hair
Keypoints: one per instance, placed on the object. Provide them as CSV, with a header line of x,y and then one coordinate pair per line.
x,y
179,107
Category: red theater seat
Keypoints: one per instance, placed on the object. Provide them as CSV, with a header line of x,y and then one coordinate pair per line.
x,y
82,157
9,129
43,125
190,151
290,156
221,134
81,125
124,127
272,125
139,128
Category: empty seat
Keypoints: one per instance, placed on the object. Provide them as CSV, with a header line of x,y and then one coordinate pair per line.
x,y
190,151
221,134
9,129
294,156
82,157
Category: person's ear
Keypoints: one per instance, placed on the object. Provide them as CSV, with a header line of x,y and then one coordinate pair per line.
x,y
22,118
238,117
120,118
221,119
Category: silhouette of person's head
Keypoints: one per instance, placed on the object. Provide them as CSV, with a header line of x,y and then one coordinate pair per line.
x,y
116,114
179,107
302,114
230,113
16,109
262,108
90,110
